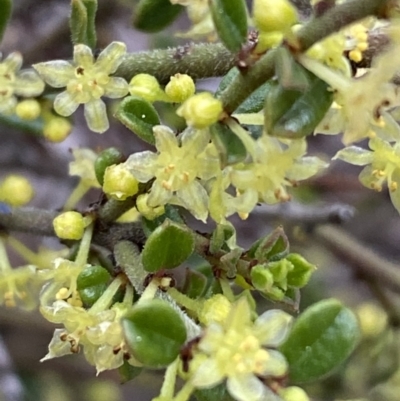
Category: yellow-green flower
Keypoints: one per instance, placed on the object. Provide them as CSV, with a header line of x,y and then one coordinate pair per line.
x,y
382,165
275,166
16,83
240,351
86,81
178,167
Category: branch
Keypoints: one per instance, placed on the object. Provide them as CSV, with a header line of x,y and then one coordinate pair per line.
x,y
197,60
359,257
318,28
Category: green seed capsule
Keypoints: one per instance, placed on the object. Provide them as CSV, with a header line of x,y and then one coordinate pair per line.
x,y
91,283
107,158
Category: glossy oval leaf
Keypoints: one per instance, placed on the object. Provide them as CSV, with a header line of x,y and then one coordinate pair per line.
x,y
171,212
321,339
167,247
154,333
230,21
295,114
139,116
5,14
154,15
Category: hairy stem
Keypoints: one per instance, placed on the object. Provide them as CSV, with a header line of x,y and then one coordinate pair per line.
x,y
318,28
199,61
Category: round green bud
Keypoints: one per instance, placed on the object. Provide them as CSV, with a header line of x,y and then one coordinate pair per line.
x,y
201,110
107,158
293,393
16,190
147,87
91,284
180,87
28,109
57,129
150,213
119,183
273,15
69,225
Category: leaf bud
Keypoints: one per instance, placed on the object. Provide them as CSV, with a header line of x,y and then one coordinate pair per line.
x,y
28,109
16,190
69,225
180,87
274,15
201,110
119,183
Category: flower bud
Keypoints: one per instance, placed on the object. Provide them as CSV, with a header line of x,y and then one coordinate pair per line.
x,y
147,87
273,15
215,309
16,190
201,110
57,129
150,213
69,225
119,183
28,109
293,393
261,278
180,87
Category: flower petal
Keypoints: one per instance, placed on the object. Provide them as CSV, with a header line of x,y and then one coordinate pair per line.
x,y
28,84
276,366
159,195
7,106
207,375
194,197
355,155
65,103
56,73
272,327
395,194
13,62
116,88
166,140
83,56
142,165
111,57
194,140
96,116
246,388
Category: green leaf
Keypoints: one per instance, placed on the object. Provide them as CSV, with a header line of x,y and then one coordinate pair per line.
x,y
229,146
291,75
270,248
139,116
217,393
294,114
255,102
5,14
321,339
226,80
154,332
195,283
219,237
171,213
155,15
230,21
128,372
91,283
107,158
82,22
167,246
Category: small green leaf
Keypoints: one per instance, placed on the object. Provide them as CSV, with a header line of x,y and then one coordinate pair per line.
x,y
321,339
230,147
230,21
91,283
155,15
272,247
107,158
171,213
294,114
195,283
291,75
219,237
167,246
226,80
5,14
82,22
128,372
139,116
154,332
255,102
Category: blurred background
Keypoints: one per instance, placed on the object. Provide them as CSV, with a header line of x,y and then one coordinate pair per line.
x,y
40,31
